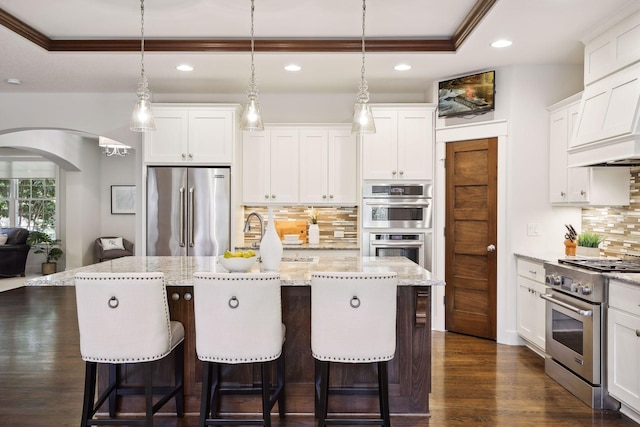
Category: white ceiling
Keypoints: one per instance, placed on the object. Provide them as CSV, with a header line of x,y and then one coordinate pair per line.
x,y
542,31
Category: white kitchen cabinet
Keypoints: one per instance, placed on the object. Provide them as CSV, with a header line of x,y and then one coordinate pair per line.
x,y
328,167
402,147
530,307
196,134
270,167
623,346
580,186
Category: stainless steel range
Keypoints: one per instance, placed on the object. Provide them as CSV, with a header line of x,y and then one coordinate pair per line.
x,y
575,330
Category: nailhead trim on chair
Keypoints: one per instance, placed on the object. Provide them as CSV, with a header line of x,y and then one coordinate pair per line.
x,y
240,359
330,276
231,279
352,359
144,359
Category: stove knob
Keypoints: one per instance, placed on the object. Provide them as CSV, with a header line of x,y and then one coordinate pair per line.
x,y
554,280
585,289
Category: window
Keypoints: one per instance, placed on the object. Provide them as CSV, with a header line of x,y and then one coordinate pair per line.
x,y
28,202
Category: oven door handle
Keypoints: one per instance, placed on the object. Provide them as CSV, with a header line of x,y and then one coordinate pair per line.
x,y
396,244
399,204
586,313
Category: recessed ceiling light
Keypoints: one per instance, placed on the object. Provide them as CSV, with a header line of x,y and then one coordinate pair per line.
x,y
13,81
402,67
184,67
502,43
292,67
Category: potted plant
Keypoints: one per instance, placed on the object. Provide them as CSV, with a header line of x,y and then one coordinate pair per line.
x,y
588,244
44,244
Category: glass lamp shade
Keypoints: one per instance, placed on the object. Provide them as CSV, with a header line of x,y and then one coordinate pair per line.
x,y
251,118
362,119
142,117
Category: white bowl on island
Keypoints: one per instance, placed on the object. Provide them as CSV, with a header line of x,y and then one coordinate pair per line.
x,y
237,264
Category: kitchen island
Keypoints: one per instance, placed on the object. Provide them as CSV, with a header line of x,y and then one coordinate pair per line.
x,y
409,371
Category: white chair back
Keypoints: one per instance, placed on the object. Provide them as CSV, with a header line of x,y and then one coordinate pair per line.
x,y
124,317
238,317
353,316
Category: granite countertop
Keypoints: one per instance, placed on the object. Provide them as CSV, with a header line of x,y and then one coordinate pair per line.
x,y
294,271
633,278
305,246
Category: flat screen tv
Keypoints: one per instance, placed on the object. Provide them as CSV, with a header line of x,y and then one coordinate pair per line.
x,y
467,95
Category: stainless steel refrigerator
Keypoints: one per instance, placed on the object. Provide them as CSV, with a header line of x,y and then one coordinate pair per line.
x,y
188,211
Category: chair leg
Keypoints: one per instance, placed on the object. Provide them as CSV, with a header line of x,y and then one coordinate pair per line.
x,y
114,378
148,392
281,385
323,401
215,389
89,392
266,391
205,397
179,379
383,390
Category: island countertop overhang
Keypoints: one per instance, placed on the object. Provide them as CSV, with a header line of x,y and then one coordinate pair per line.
x,y
293,271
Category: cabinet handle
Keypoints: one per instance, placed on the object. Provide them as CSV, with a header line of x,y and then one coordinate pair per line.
x,y
266,196
583,193
324,196
190,156
638,332
331,196
533,272
188,296
401,172
175,296
273,196
422,308
393,172
184,156
562,194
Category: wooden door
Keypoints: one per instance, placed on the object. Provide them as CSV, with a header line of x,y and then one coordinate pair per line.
x,y
470,245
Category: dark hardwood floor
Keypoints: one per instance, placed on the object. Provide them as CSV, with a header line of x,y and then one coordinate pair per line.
x,y
475,382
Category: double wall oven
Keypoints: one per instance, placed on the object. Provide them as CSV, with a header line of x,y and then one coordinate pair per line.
x,y
575,329
397,220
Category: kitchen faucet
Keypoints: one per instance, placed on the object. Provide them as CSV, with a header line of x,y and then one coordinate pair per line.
x,y
247,225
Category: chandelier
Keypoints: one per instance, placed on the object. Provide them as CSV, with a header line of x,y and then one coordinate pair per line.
x,y
142,116
251,119
362,115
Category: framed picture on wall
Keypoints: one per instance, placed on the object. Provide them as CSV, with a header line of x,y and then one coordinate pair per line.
x,y
123,199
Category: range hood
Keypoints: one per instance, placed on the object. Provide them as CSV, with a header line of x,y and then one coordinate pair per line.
x,y
607,128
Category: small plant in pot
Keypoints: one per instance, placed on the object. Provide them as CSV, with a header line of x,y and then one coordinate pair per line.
x,y
44,244
589,243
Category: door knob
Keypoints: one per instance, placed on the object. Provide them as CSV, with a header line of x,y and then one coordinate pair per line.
x,y
491,248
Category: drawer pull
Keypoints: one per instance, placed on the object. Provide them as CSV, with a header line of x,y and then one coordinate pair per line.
x,y
422,307
533,272
638,332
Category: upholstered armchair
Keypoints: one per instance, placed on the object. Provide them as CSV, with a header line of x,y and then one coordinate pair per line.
x,y
14,252
108,248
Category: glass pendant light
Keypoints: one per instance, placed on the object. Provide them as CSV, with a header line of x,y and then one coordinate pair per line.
x,y
251,119
362,116
142,116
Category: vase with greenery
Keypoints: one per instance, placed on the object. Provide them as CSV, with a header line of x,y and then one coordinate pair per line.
x,y
589,243
314,229
44,244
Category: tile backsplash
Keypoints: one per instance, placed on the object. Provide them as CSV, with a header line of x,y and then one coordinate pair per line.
x,y
330,219
619,226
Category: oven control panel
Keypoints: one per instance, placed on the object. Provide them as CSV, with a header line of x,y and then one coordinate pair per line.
x,y
568,284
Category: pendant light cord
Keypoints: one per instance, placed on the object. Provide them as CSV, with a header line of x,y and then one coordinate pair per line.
x,y
253,68
363,93
142,38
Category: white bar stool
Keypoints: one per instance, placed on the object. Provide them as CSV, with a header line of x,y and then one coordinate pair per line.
x,y
353,320
123,318
238,319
